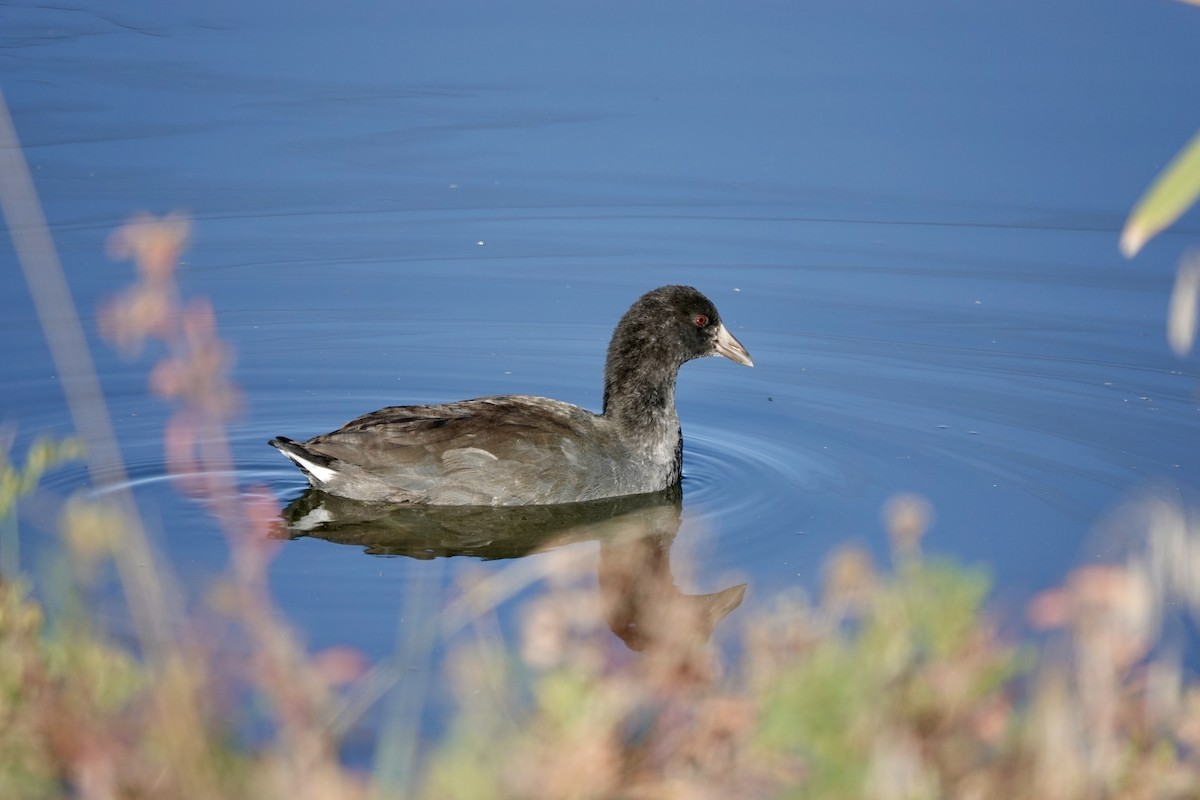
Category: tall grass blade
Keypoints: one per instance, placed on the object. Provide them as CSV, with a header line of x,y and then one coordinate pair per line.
x,y
72,359
1171,194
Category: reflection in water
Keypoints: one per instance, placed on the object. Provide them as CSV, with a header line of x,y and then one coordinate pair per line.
x,y
642,604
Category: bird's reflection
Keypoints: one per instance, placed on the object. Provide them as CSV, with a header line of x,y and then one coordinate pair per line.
x,y
642,604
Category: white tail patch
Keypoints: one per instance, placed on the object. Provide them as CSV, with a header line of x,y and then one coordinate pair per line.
x,y
323,474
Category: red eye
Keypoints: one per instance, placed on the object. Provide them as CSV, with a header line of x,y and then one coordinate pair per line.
x,y
700,320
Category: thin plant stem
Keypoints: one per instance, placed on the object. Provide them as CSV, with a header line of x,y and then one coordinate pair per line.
x,y
59,319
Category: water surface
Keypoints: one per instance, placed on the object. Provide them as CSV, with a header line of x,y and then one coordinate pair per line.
x,y
907,215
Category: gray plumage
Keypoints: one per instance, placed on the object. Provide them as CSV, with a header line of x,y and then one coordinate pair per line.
x,y
519,449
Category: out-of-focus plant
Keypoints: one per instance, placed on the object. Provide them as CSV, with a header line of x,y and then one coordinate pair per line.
x,y
1172,193
892,686
82,715
897,684
17,481
1113,715
43,455
195,376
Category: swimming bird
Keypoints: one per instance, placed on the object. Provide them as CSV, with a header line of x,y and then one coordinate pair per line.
x,y
525,450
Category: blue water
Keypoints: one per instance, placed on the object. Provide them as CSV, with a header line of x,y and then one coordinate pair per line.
x,y
908,214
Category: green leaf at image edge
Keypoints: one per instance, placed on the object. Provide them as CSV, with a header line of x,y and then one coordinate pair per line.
x,y
1172,193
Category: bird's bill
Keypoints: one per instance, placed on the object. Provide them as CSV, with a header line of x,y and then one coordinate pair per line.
x,y
731,348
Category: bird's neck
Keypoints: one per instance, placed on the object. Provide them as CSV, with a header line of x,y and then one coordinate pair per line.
x,y
640,397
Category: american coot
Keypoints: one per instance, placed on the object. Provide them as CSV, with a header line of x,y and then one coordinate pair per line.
x,y
522,450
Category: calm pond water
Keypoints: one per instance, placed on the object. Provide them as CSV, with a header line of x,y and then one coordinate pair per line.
x,y
907,215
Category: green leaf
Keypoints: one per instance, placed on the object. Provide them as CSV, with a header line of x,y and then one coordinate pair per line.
x,y
1170,195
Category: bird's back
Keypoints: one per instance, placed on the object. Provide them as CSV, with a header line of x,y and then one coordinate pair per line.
x,y
505,450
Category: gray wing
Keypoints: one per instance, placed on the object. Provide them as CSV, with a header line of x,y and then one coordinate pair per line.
x,y
490,451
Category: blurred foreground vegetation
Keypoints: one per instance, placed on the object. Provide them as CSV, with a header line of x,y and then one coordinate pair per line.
x,y
894,683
